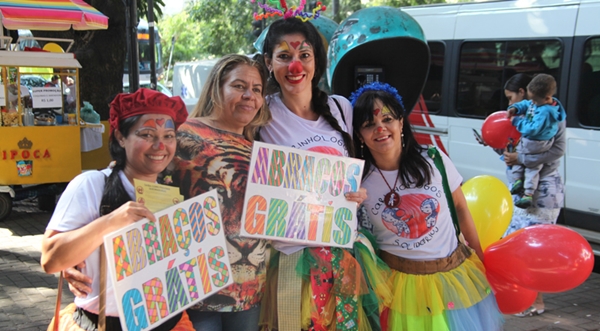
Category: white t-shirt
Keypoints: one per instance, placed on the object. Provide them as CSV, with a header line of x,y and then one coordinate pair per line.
x,y
79,205
420,227
289,129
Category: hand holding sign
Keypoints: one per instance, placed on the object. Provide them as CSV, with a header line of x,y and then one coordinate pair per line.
x,y
298,196
160,268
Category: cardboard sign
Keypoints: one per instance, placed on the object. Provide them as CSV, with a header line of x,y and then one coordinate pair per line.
x,y
160,269
297,196
46,97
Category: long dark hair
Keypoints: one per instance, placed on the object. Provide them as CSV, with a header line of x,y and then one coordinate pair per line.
x,y
114,193
277,31
413,167
516,82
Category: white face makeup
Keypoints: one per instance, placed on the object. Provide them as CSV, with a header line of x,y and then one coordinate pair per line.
x,y
150,146
293,64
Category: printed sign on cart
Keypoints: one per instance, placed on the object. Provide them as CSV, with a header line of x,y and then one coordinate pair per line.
x,y
298,196
46,97
160,269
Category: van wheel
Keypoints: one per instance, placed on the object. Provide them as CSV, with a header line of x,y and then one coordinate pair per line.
x,y
5,206
47,202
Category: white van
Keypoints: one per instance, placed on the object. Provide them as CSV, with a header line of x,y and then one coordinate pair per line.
x,y
476,47
188,78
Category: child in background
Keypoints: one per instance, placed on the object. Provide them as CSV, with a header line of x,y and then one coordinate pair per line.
x,y
538,126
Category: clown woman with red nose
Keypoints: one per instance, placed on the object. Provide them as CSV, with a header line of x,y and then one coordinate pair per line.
x,y
310,288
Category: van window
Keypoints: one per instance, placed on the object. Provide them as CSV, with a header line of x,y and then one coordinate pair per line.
x,y
589,91
485,66
432,92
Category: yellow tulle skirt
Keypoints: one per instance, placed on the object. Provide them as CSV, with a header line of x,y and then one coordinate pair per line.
x,y
455,300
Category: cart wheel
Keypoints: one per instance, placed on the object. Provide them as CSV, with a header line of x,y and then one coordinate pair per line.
x,y
47,202
5,206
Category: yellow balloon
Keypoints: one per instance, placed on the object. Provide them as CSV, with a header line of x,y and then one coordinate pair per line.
x,y
491,206
53,47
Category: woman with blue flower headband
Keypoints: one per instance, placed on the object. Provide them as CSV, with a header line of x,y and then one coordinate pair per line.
x,y
436,282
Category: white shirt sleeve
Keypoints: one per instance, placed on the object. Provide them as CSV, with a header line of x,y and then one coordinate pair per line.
x,y
80,202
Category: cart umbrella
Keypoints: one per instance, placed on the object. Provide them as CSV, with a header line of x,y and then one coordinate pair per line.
x,y
54,15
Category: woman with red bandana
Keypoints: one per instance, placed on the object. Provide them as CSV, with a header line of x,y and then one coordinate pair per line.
x,y
142,143
214,146
307,118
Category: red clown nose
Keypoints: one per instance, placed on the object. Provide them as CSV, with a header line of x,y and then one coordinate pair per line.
x,y
295,67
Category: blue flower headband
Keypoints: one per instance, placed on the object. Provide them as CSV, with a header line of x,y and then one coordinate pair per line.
x,y
376,86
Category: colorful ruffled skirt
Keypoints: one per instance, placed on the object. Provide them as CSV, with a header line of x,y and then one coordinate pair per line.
x,y
450,300
335,294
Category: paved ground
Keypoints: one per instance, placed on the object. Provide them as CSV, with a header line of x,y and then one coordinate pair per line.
x,y
27,294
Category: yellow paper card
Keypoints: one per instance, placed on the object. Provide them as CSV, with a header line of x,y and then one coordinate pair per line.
x,y
156,197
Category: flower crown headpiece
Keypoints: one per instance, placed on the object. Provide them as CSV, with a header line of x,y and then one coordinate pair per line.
x,y
376,86
280,8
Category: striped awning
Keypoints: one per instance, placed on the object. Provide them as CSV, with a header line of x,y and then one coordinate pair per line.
x,y
53,15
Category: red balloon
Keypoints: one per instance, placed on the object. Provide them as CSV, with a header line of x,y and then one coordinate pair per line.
x,y
497,130
543,258
511,298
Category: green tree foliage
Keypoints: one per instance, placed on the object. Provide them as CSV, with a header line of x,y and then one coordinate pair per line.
x,y
225,26
187,35
142,8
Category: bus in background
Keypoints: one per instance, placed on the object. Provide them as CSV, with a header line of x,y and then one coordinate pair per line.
x,y
476,47
143,37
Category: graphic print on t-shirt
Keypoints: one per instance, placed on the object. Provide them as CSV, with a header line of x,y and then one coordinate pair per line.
x,y
414,217
325,150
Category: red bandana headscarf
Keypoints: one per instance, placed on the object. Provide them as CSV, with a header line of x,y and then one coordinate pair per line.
x,y
145,101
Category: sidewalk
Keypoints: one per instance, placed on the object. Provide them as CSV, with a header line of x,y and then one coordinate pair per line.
x,y
27,294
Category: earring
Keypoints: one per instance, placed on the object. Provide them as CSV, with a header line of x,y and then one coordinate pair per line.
x,y
402,139
362,146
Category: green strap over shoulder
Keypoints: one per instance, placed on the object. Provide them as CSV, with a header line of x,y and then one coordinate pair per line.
x,y
434,154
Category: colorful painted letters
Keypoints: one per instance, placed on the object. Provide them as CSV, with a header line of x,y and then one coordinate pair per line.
x,y
159,269
298,196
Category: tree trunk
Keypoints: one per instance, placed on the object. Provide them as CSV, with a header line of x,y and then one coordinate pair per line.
x,y
335,8
101,54
102,57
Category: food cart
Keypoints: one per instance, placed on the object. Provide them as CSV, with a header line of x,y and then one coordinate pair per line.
x,y
40,148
